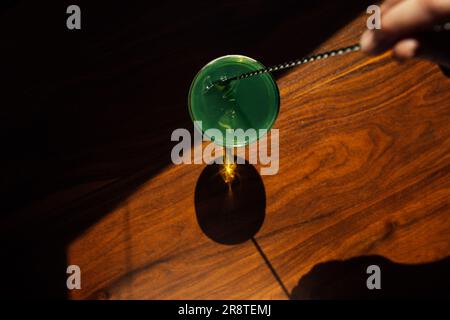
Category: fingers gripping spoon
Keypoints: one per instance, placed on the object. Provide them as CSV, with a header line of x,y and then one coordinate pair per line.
x,y
291,64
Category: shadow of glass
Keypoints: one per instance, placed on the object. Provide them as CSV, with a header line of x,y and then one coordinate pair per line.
x,y
230,213
347,280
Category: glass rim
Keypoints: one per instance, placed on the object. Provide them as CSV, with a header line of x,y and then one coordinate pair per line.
x,y
245,143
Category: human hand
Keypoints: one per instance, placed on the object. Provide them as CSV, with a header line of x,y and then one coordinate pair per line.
x,y
406,29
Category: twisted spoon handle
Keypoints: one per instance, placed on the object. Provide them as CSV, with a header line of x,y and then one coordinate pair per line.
x,y
291,64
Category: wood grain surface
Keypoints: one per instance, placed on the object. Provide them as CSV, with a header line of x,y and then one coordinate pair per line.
x,y
364,166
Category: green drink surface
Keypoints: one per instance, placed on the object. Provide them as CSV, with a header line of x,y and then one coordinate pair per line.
x,y
250,103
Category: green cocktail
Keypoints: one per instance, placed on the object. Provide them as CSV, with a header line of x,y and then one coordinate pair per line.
x,y
251,103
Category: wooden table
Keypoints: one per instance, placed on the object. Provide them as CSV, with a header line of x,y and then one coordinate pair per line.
x,y
364,158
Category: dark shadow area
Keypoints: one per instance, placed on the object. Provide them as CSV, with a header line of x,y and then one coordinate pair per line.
x,y
347,280
7,4
445,71
436,45
230,213
87,115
